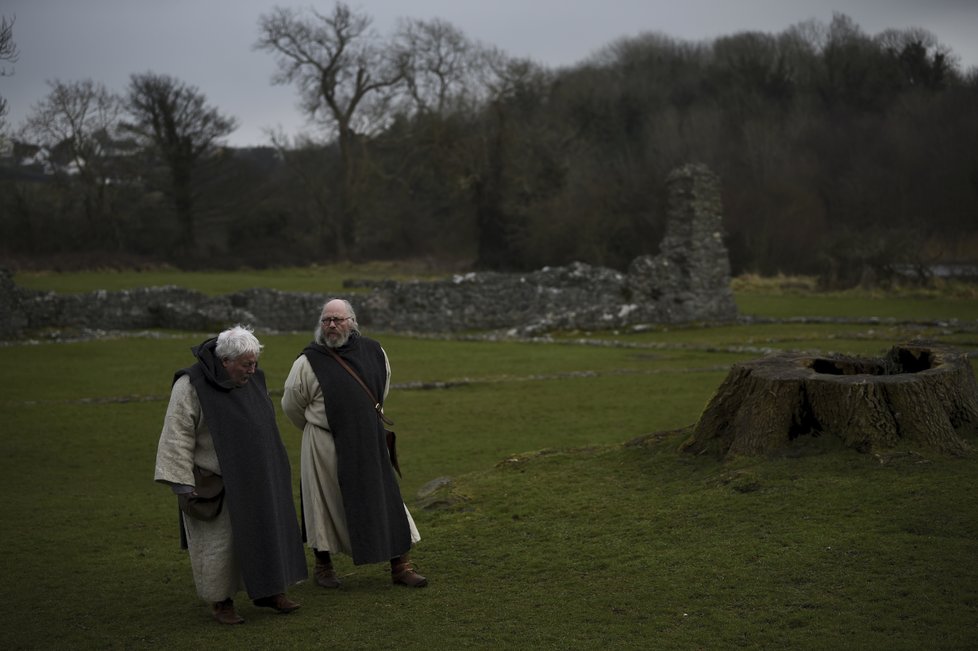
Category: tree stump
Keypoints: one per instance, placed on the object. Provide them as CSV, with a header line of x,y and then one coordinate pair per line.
x,y
919,395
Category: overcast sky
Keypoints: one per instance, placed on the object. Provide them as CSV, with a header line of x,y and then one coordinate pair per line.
x,y
208,43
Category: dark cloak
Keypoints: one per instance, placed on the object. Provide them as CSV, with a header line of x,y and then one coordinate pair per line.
x,y
375,517
256,471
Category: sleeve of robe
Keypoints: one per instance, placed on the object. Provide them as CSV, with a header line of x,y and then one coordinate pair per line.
x,y
302,398
185,440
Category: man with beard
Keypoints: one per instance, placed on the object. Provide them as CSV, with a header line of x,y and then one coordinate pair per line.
x,y
220,425
351,502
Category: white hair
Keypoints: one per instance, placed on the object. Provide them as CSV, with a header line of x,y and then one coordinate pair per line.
x,y
237,341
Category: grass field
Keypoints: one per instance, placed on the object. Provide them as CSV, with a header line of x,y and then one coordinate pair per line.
x,y
215,283
572,521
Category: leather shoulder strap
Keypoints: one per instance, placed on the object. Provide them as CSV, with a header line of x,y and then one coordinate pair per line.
x,y
356,376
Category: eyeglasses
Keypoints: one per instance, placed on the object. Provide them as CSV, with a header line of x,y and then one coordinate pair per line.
x,y
326,320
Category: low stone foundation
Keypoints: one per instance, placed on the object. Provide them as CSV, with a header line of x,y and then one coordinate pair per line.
x,y
688,280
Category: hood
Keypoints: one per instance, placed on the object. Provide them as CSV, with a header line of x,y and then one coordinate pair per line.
x,y
211,365
352,343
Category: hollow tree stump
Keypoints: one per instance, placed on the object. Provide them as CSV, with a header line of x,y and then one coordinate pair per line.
x,y
918,396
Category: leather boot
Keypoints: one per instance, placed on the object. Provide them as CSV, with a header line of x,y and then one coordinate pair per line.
x,y
324,573
402,573
224,612
279,602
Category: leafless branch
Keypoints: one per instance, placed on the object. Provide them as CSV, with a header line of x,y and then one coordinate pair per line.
x,y
8,49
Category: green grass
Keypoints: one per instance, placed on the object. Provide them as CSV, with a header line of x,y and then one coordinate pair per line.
x,y
574,522
857,305
316,279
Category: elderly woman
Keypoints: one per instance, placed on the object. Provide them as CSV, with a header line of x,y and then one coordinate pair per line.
x,y
220,425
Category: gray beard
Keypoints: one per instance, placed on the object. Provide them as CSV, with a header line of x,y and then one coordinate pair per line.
x,y
337,343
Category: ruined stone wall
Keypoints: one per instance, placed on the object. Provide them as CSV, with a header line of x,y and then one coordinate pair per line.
x,y
688,280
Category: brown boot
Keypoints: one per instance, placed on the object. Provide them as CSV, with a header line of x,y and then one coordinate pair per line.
x,y
224,612
279,602
326,576
324,573
402,573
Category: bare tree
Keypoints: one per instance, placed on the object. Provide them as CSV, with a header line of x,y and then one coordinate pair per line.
x,y
8,52
346,79
8,49
510,143
173,119
440,64
81,120
921,59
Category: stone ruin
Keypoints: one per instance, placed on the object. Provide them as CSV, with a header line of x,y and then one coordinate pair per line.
x,y
687,281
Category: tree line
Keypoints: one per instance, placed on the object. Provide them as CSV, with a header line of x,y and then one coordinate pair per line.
x,y
840,153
